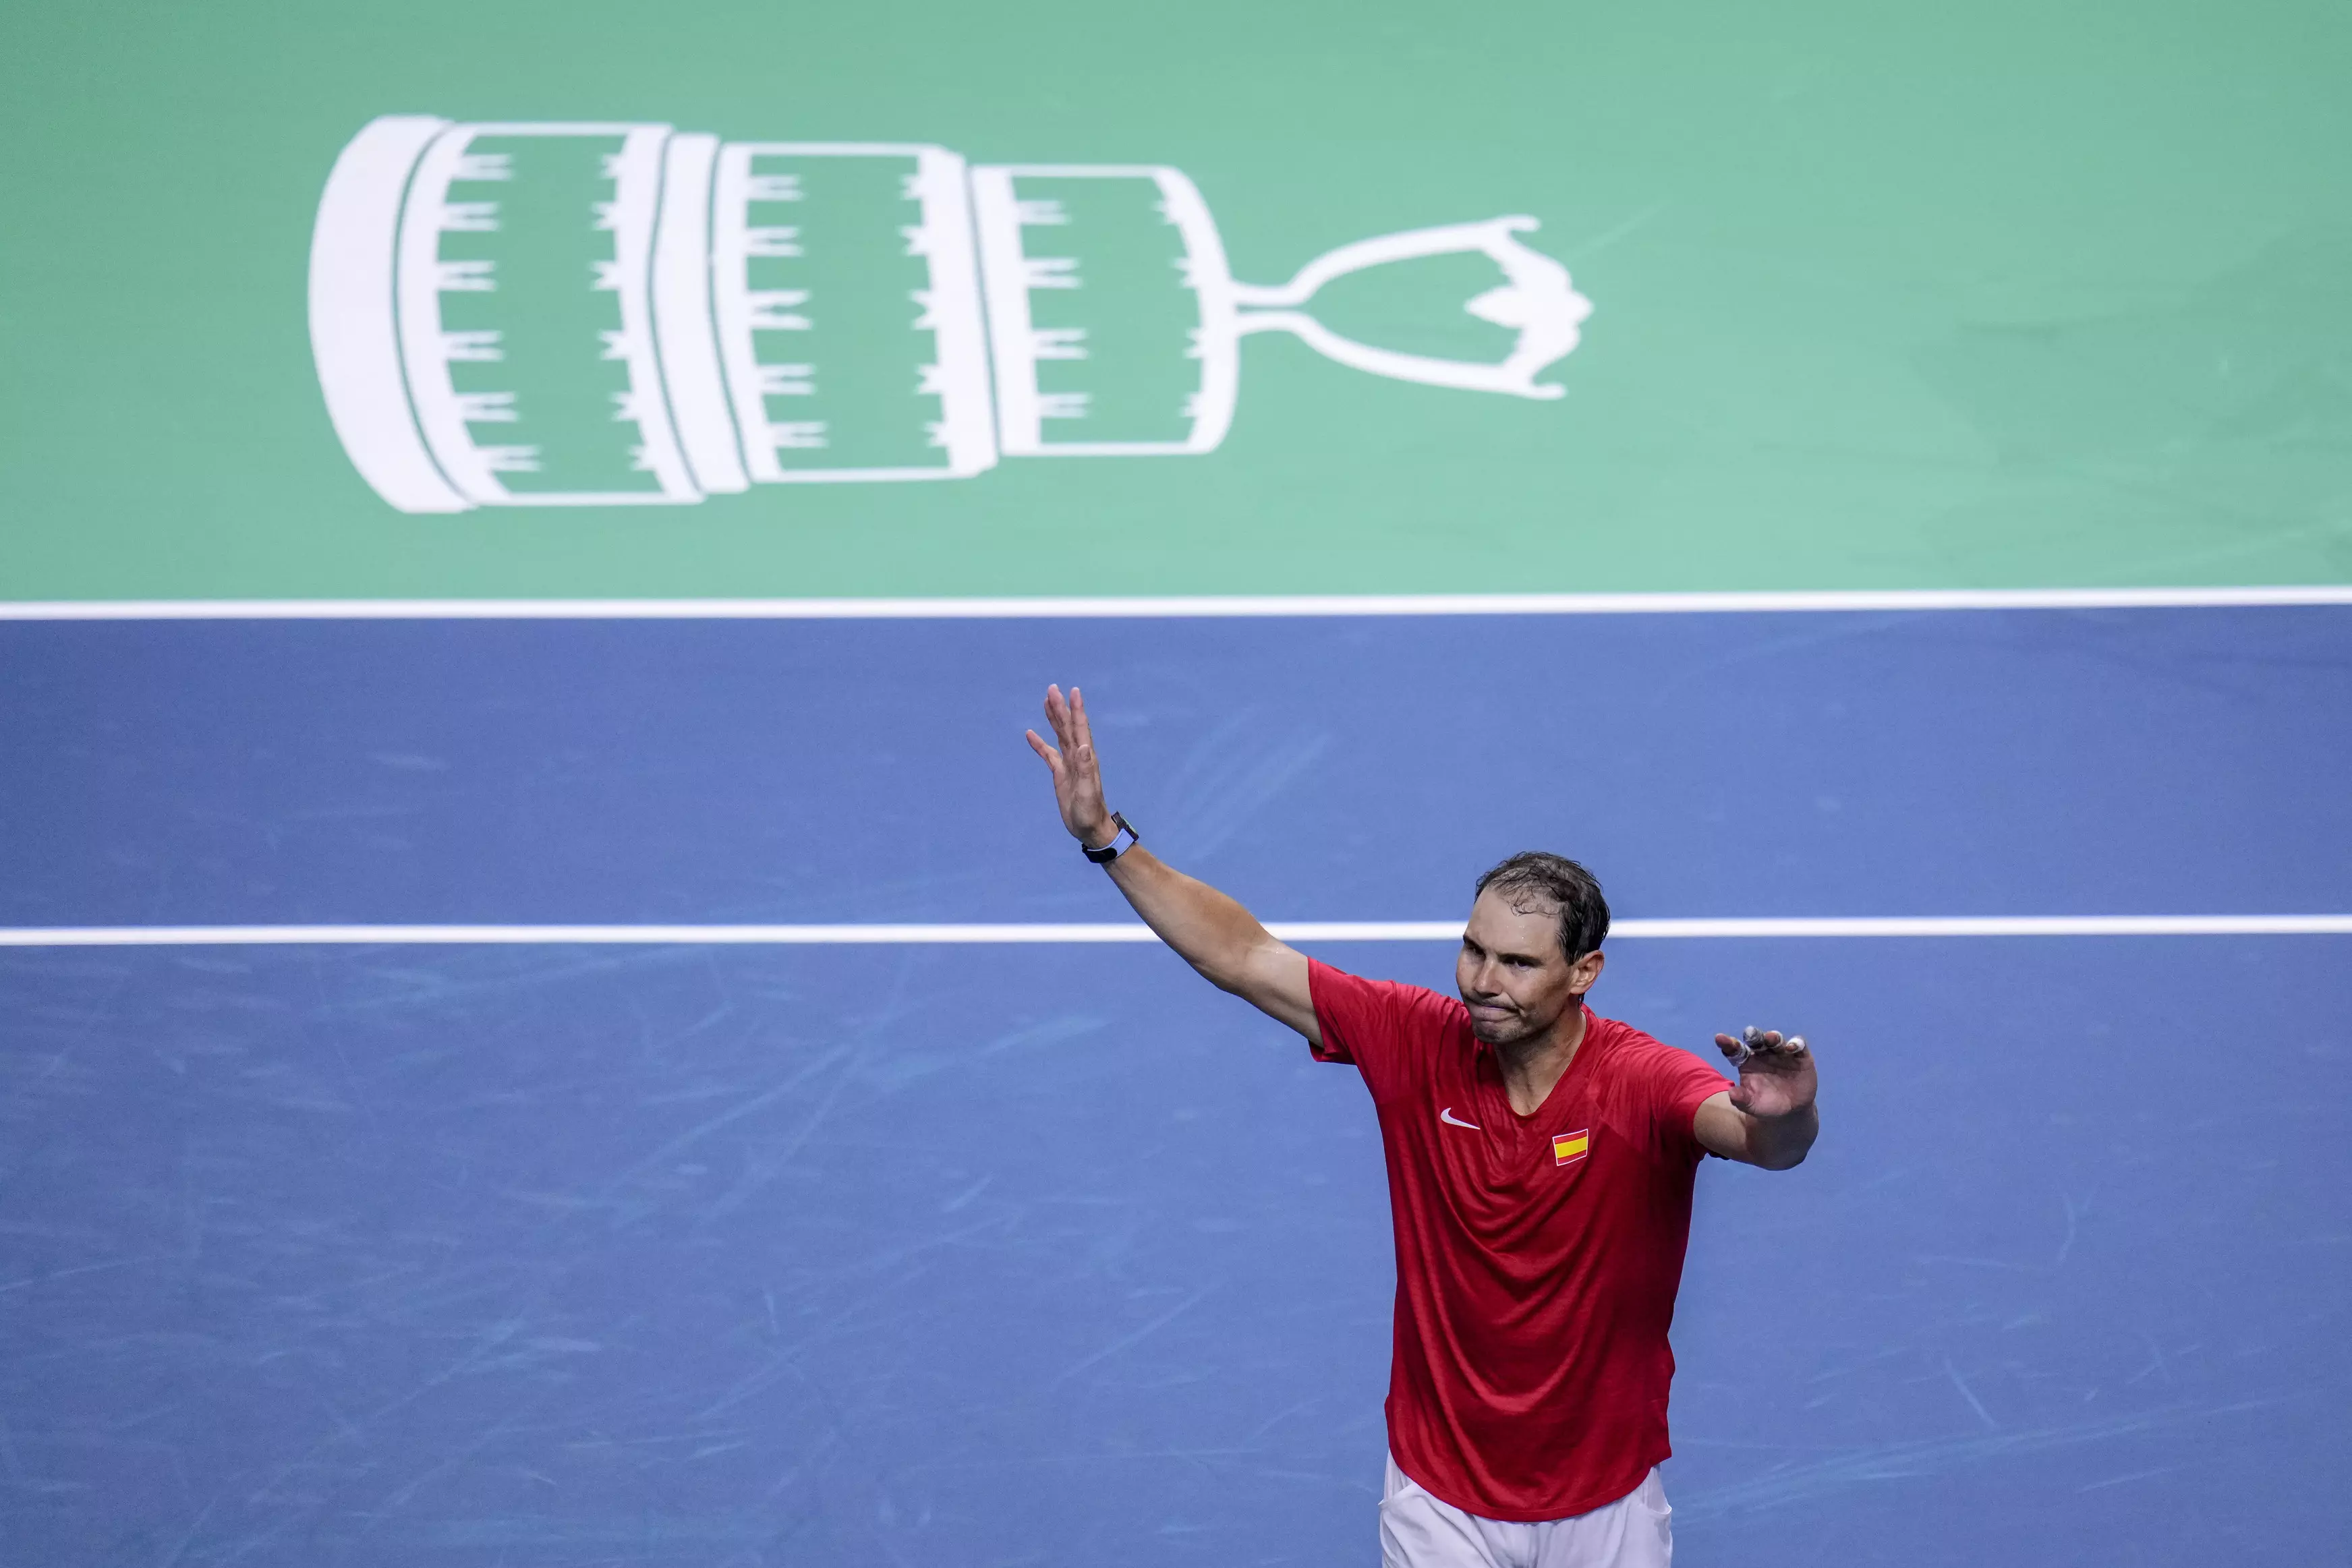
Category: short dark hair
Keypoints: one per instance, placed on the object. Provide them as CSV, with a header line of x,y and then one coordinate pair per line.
x,y
1583,913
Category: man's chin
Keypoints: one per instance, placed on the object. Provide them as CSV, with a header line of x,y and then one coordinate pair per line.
x,y
1499,1031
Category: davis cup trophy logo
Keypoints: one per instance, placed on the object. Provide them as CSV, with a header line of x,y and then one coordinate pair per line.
x,y
577,315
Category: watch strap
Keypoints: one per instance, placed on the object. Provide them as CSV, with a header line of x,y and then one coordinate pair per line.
x,y
1113,850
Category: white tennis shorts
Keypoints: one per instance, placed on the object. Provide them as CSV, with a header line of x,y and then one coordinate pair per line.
x,y
1419,1531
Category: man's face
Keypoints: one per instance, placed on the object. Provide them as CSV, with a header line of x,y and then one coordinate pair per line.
x,y
1512,975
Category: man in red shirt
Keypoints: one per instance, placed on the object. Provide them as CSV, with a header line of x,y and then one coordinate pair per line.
x,y
1540,1162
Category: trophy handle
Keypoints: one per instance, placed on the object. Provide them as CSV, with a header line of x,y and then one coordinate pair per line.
x,y
1537,298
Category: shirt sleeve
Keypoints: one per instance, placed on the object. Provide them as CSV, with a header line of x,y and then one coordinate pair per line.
x,y
1680,1083
1376,1026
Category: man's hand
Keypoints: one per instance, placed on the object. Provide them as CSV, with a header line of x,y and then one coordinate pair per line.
x,y
1776,1075
1077,773
1768,1118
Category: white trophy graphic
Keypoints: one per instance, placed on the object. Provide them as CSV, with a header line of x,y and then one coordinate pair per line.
x,y
590,315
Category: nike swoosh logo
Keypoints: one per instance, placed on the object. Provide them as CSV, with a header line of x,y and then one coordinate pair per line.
x,y
1451,1120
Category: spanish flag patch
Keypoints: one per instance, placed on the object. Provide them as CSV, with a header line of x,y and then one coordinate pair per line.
x,y
1566,1148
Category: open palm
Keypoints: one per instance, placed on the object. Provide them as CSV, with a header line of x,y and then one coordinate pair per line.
x,y
1776,1075
1077,772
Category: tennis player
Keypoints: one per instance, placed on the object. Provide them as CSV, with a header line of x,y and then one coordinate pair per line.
x,y
1540,1162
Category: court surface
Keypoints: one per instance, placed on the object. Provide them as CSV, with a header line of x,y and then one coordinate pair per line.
x,y
913,1252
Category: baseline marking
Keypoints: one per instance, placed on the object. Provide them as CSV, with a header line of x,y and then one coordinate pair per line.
x,y
1191,606
1124,931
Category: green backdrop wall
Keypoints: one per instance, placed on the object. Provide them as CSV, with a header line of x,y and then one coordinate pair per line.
x,y
1881,296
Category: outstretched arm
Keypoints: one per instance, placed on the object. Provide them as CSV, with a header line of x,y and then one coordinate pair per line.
x,y
1769,1120
1209,930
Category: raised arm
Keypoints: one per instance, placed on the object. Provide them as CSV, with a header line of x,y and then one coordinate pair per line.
x,y
1209,930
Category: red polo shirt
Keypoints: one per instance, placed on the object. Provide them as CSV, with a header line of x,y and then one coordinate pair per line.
x,y
1538,1256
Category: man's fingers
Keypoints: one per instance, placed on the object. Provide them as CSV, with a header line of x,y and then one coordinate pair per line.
x,y
1752,1043
1053,758
1068,717
1057,714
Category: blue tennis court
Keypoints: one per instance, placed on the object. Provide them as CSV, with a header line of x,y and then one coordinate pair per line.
x,y
924,1251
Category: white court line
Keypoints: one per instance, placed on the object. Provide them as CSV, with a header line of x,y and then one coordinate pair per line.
x,y
1210,605
1129,931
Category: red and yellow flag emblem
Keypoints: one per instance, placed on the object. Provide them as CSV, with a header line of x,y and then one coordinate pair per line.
x,y
1566,1148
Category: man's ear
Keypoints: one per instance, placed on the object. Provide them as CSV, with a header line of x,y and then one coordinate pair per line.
x,y
1586,970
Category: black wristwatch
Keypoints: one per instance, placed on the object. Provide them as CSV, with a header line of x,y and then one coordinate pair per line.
x,y
1113,850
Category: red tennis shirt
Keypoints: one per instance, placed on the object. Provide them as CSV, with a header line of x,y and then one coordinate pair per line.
x,y
1538,1256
